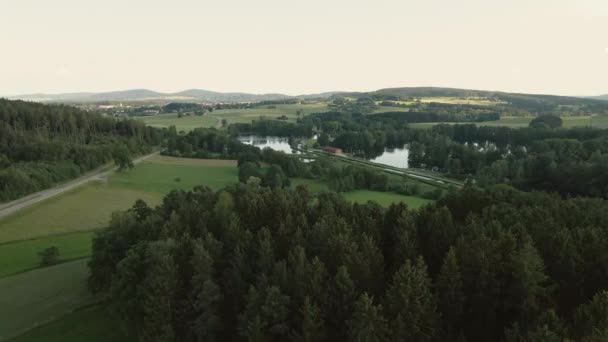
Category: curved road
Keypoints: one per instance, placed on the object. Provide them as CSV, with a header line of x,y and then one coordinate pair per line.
x,y
29,200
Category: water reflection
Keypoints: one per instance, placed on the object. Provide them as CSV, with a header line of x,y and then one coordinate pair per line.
x,y
396,157
275,143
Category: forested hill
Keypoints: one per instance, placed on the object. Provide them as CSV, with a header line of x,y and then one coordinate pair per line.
x,y
41,145
522,101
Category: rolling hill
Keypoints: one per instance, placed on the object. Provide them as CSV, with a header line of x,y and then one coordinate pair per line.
x,y
191,95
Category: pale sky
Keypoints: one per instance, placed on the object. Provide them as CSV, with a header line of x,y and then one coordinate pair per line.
x,y
303,46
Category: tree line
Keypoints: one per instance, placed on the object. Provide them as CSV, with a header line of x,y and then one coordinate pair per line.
x,y
41,145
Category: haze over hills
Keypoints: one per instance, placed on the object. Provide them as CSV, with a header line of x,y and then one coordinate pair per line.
x,y
601,97
197,95
200,95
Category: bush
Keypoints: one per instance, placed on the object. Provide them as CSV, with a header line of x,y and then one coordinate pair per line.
x,y
49,256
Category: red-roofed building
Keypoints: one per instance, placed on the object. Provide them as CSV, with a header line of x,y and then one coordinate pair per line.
x,y
333,150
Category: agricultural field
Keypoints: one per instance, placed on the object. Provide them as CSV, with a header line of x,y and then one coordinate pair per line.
x,y
269,112
184,174
214,119
83,209
385,199
93,324
186,123
518,122
33,298
20,256
477,101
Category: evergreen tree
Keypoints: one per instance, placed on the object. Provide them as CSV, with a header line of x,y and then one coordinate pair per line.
x,y
368,323
450,295
410,304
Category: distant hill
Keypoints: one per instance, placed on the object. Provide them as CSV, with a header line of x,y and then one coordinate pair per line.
x,y
601,97
191,95
534,102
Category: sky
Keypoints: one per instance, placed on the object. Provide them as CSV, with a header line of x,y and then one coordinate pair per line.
x,y
303,46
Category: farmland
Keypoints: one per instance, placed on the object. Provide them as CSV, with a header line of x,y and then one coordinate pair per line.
x,y
186,123
32,298
214,119
518,122
94,324
20,256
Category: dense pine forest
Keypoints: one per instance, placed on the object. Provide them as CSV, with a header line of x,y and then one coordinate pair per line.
x,y
41,145
253,263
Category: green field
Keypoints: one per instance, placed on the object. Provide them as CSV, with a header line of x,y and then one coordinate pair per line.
x,y
186,123
213,119
163,177
22,256
385,199
85,208
518,122
94,324
33,298
289,110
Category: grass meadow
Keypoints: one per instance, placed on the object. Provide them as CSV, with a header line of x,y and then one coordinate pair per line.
x,y
20,256
385,199
91,324
33,298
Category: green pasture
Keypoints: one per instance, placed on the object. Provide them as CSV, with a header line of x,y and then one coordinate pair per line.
x,y
185,123
83,209
162,178
94,324
385,199
33,298
20,256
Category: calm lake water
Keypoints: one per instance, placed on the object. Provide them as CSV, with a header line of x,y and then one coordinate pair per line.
x,y
396,157
275,143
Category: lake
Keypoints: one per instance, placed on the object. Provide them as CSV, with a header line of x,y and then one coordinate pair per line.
x,y
275,143
396,157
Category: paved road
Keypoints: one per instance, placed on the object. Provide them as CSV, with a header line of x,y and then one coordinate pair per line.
x,y
24,202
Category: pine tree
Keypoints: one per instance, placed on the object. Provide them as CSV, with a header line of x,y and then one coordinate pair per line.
x,y
411,305
368,323
207,296
450,295
156,294
591,319
312,324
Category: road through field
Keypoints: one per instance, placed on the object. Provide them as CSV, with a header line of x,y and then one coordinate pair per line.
x,y
24,202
